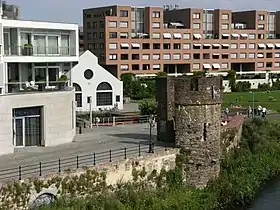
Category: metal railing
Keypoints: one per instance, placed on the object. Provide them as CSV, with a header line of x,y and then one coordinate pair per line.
x,y
113,121
75,162
39,51
41,86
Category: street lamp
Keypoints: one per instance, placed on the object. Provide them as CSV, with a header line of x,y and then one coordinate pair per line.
x,y
151,123
253,105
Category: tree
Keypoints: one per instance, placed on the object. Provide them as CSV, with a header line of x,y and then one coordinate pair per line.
x,y
147,107
127,79
232,80
161,74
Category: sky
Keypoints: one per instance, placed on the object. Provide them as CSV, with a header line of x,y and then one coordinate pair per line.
x,y
70,11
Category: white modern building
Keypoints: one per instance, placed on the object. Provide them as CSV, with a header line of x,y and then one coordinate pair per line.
x,y
37,104
96,88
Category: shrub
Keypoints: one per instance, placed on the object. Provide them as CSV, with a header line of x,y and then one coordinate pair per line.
x,y
147,107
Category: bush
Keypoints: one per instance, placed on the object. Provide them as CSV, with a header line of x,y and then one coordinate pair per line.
x,y
242,86
147,107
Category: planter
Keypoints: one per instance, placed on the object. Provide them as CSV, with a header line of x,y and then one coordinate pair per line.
x,y
27,51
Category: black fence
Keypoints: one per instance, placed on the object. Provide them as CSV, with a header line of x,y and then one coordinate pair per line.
x,y
79,161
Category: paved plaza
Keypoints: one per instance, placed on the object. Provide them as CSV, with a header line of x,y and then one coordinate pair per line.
x,y
98,140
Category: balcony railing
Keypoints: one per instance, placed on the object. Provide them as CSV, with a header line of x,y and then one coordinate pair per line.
x,y
41,86
39,51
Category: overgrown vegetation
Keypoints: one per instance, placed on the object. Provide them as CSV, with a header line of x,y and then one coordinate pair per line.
x,y
243,172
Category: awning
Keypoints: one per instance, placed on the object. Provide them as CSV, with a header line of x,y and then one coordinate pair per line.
x,y
225,45
260,56
125,45
135,45
176,24
216,45
216,66
216,54
225,35
206,45
166,35
277,45
124,67
235,35
197,36
270,45
197,45
261,45
244,35
206,66
177,36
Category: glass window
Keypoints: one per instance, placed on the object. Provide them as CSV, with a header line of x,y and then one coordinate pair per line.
x,y
52,44
156,25
186,36
112,24
123,24
225,17
124,13
196,26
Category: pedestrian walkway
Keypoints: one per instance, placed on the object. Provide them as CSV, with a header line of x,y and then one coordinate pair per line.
x,y
98,140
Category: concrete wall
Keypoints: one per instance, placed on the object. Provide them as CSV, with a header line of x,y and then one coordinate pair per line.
x,y
59,122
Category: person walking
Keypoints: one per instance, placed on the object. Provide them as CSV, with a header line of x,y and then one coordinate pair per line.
x,y
259,110
263,112
226,112
249,111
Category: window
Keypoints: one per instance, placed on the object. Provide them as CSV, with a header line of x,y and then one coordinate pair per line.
x,y
261,17
277,55
252,36
176,46
251,46
166,56
123,24
260,36
112,24
124,67
242,55
260,26
156,46
101,35
112,46
176,56
156,36
196,15
196,56
145,57
276,64
124,57
88,74
196,26
156,14
186,46
118,98
269,64
146,67
224,65
78,94
135,56
156,66
196,66
186,56
225,17
123,13
156,25
123,35
260,65
146,46
156,56
225,26
135,67
242,46
104,94
233,46
251,55
52,45
166,46
187,36
113,35
233,55
102,24
113,57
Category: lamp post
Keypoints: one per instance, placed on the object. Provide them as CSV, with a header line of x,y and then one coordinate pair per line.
x,y
151,123
253,104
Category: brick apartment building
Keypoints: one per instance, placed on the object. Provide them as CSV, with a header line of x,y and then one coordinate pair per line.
x,y
146,40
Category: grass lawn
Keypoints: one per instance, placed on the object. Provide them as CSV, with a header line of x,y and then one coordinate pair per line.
x,y
270,100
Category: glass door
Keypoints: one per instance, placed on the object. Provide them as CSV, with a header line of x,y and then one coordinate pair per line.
x,y
53,74
18,132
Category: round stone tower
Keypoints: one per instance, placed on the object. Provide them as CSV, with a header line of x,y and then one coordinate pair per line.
x,y
197,120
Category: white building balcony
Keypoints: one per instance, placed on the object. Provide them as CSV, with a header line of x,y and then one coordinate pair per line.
x,y
32,41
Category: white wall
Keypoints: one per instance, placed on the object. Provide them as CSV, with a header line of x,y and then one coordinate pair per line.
x,y
90,61
59,123
254,83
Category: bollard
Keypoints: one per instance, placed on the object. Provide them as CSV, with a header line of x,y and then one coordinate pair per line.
x,y
80,130
114,121
125,153
40,169
19,173
94,160
59,166
77,161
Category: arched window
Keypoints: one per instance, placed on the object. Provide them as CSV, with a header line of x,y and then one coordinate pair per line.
x,y
104,94
78,94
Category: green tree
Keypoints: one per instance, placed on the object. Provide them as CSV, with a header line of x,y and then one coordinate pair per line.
x,y
161,74
128,80
147,107
232,80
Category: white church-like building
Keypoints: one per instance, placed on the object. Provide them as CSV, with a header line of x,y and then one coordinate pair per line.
x,y
95,87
